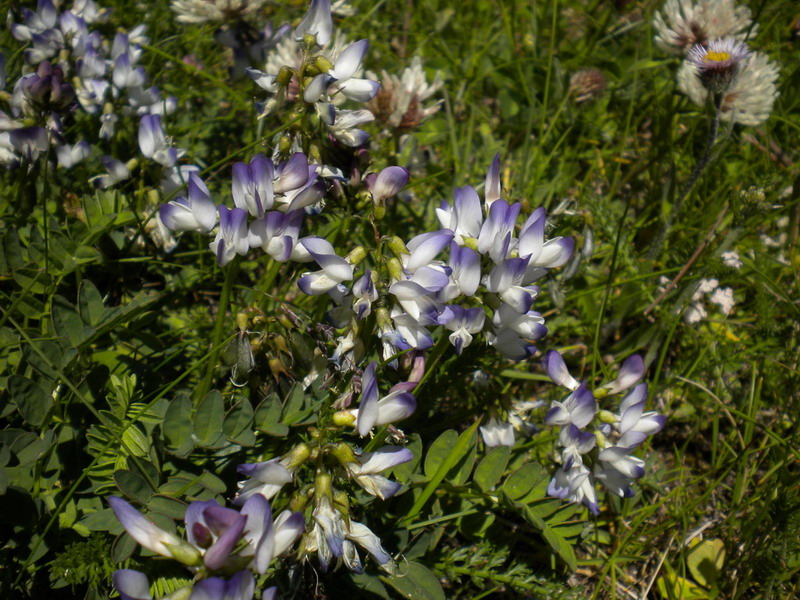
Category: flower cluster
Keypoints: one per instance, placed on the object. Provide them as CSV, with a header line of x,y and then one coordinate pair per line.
x,y
493,264
323,80
712,35
75,66
721,296
218,540
276,196
334,534
610,445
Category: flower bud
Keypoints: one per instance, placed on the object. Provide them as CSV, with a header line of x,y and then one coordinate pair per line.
x,y
322,486
395,269
322,64
296,456
397,246
344,418
344,454
356,255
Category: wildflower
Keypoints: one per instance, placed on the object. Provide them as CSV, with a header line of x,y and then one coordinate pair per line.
x,y
152,537
232,237
203,11
497,433
365,469
683,23
718,62
731,259
266,478
630,372
387,183
723,297
116,171
749,98
399,102
374,411
317,22
267,539
334,269
194,213
153,141
575,484
587,84
579,408
633,423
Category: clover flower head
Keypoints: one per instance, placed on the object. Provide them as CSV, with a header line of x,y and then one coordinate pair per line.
x,y
749,98
683,23
203,11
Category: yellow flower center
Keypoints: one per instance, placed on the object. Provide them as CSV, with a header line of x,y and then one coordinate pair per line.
x,y
718,56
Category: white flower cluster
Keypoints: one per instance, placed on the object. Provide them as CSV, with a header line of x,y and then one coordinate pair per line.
x,y
721,296
694,26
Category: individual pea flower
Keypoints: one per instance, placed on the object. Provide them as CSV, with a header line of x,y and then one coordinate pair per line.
x,y
266,538
46,90
232,236
317,22
214,530
277,233
497,433
116,171
29,142
575,485
375,411
386,184
251,185
153,141
634,424
268,477
463,322
364,294
35,22
631,371
579,408
334,537
147,534
69,156
334,269
126,74
344,124
749,98
718,62
365,468
507,278
683,23
195,212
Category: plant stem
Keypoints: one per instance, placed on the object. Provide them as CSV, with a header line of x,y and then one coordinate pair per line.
x,y
216,336
661,237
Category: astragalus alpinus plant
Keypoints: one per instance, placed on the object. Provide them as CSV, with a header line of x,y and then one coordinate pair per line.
x,y
392,300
